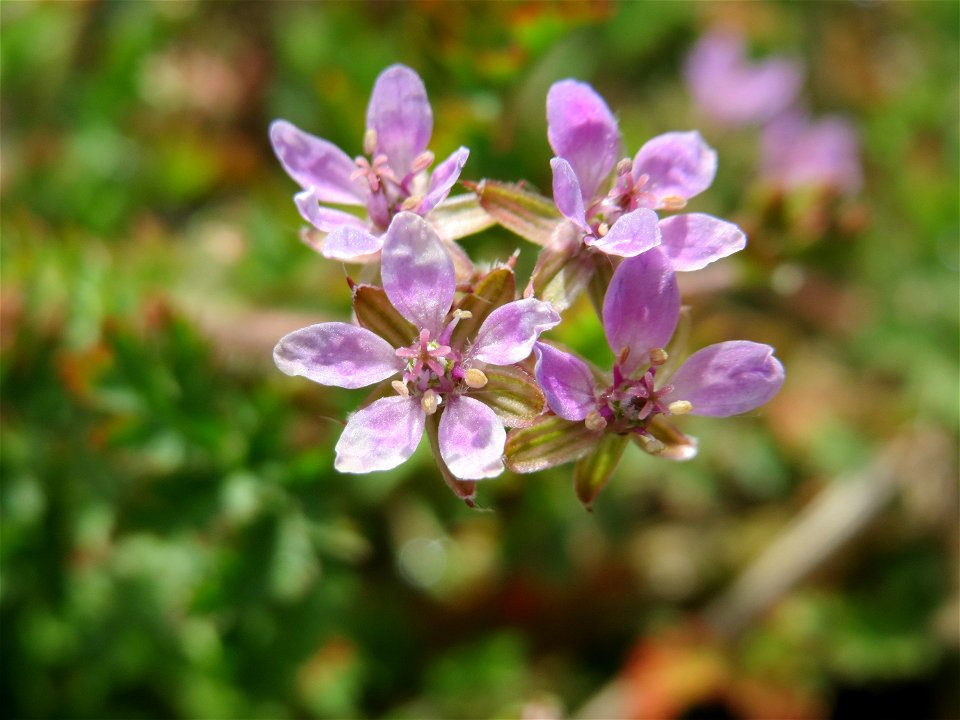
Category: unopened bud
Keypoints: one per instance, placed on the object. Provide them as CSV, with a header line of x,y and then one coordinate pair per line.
x,y
475,378
595,421
651,445
658,356
624,166
422,162
429,402
369,141
680,407
673,202
401,388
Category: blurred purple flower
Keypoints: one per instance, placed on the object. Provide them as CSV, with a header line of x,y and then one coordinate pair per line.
x,y
797,152
418,277
667,171
640,313
730,89
392,177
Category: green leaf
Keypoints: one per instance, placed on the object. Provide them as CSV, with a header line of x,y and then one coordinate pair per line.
x,y
591,473
376,313
459,217
548,442
496,288
529,214
513,395
466,490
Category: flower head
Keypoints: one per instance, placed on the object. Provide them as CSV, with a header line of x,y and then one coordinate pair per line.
x,y
640,313
440,376
391,176
797,152
730,89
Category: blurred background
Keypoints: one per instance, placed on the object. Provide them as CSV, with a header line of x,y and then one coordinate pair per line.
x,y
175,541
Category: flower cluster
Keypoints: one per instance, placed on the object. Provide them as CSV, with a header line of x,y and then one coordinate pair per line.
x,y
797,151
453,352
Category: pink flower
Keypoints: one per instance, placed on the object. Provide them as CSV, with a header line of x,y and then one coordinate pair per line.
x,y
392,177
666,172
797,152
731,90
436,376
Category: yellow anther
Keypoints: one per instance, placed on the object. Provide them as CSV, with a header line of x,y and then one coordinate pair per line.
x,y
680,407
624,166
651,444
475,378
429,402
462,314
595,421
673,202
369,141
401,388
658,356
411,202
603,229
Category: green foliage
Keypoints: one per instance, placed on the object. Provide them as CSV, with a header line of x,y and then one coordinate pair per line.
x,y
174,540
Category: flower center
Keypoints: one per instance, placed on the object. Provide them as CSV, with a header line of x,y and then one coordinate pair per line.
x,y
434,369
630,404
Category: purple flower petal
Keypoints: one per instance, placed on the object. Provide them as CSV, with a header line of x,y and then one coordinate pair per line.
x,y
417,272
316,163
380,436
583,131
728,378
471,439
509,332
566,381
642,307
731,90
798,153
349,243
566,192
632,234
400,114
679,165
323,218
695,240
337,353
442,180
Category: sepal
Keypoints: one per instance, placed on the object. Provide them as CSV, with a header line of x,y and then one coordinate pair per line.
x,y
512,394
459,217
563,269
524,212
496,288
592,472
548,442
376,313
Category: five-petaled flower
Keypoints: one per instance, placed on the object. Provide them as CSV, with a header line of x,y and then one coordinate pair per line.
x,y
436,375
391,177
640,313
666,172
